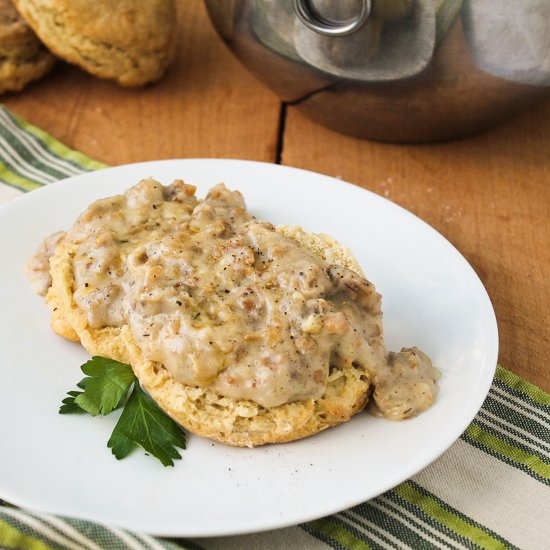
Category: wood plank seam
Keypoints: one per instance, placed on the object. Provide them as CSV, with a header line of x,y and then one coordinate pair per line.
x,y
281,133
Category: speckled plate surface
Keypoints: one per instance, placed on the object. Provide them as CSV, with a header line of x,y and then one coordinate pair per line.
x,y
432,298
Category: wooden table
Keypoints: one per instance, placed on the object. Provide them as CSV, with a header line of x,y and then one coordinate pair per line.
x,y
489,195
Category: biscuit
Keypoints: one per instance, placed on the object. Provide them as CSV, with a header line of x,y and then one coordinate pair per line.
x,y
200,410
22,57
129,41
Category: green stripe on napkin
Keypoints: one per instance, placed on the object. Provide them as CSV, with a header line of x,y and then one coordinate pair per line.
x,y
31,158
445,518
29,530
10,537
491,489
524,389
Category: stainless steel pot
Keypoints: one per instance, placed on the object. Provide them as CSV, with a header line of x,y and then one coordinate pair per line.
x,y
395,70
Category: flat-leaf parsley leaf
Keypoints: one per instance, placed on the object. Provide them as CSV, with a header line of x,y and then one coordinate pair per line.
x,y
106,386
142,422
69,406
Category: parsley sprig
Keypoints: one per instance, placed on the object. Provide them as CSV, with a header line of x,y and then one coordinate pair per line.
x,y
106,388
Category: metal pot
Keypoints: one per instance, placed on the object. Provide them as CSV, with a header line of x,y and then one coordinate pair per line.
x,y
395,70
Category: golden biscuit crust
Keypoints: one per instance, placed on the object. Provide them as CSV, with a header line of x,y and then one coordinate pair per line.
x,y
130,41
199,410
22,57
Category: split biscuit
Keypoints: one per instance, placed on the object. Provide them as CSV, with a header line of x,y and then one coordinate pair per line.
x,y
241,331
202,411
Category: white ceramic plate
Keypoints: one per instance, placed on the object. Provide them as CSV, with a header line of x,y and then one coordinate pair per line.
x,y
60,464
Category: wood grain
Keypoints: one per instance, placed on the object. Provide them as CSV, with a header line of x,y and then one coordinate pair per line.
x,y
489,195
206,106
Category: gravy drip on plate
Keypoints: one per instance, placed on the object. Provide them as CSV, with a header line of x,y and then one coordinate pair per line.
x,y
226,302
37,269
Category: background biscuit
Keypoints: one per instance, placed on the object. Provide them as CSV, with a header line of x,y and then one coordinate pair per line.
x,y
22,57
130,41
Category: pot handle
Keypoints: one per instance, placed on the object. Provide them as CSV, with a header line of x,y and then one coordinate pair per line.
x,y
314,21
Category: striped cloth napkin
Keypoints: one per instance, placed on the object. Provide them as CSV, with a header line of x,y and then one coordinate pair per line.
x,y
491,489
